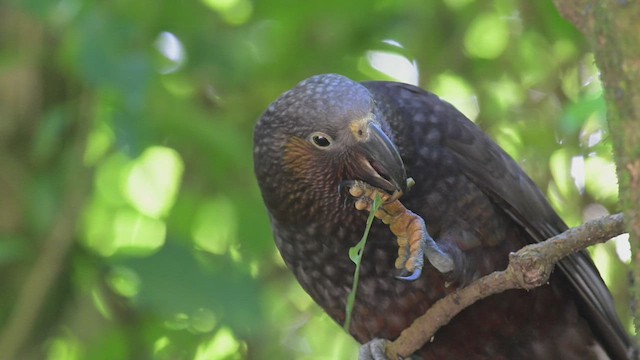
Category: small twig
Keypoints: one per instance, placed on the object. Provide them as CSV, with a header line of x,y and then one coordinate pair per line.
x,y
528,268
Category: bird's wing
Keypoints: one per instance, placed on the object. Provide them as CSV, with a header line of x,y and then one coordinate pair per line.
x,y
499,176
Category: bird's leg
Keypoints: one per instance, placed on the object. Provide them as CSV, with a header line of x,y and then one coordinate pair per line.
x,y
414,242
373,350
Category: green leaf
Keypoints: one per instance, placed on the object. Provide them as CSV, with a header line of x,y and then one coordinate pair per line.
x,y
355,253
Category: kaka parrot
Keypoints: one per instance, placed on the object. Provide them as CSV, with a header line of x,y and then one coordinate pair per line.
x,y
477,203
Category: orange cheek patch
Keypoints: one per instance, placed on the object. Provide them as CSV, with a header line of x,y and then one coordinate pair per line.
x,y
299,157
314,167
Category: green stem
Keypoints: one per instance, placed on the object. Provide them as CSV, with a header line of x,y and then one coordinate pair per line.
x,y
355,254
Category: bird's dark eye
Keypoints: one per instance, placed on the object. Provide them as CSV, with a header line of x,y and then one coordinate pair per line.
x,y
320,140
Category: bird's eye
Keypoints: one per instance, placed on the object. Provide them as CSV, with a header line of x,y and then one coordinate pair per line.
x,y
320,140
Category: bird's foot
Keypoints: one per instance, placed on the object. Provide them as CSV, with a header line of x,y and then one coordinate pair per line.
x,y
376,350
373,350
414,242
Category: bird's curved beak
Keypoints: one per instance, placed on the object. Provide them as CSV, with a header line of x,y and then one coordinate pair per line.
x,y
382,166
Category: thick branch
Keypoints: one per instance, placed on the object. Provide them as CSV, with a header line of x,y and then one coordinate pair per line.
x,y
608,25
528,268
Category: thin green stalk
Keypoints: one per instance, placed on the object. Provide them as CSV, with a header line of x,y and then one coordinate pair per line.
x,y
355,254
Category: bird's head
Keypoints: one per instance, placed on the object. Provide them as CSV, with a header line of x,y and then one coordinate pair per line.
x,y
324,131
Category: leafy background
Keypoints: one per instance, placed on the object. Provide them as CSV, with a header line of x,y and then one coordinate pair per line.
x,y
128,125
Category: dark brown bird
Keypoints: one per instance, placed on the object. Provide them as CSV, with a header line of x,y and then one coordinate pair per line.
x,y
478,205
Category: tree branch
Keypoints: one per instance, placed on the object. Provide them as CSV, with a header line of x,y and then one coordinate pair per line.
x,y
528,268
54,248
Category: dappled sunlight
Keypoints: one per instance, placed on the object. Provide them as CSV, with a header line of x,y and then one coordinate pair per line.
x,y
594,211
510,140
590,75
595,138
326,340
560,165
623,248
534,54
179,321
563,187
110,179
455,90
100,140
215,226
137,234
64,348
153,181
222,345
234,12
600,257
140,119
160,344
171,49
124,281
612,256
506,92
254,269
487,36
126,216
601,180
581,82
393,64
577,172
202,321
124,231
297,297
563,51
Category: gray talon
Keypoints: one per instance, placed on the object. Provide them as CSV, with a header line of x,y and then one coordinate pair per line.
x,y
373,350
411,277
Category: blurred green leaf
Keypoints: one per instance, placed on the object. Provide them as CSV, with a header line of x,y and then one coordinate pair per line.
x,y
176,258
173,282
576,114
487,36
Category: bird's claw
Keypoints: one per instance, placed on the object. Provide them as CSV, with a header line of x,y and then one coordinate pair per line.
x,y
345,185
410,276
414,242
362,189
376,349
373,350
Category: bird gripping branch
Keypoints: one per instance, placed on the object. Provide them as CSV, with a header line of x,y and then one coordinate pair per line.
x,y
478,204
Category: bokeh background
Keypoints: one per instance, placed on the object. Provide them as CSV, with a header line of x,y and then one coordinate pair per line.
x,y
131,226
